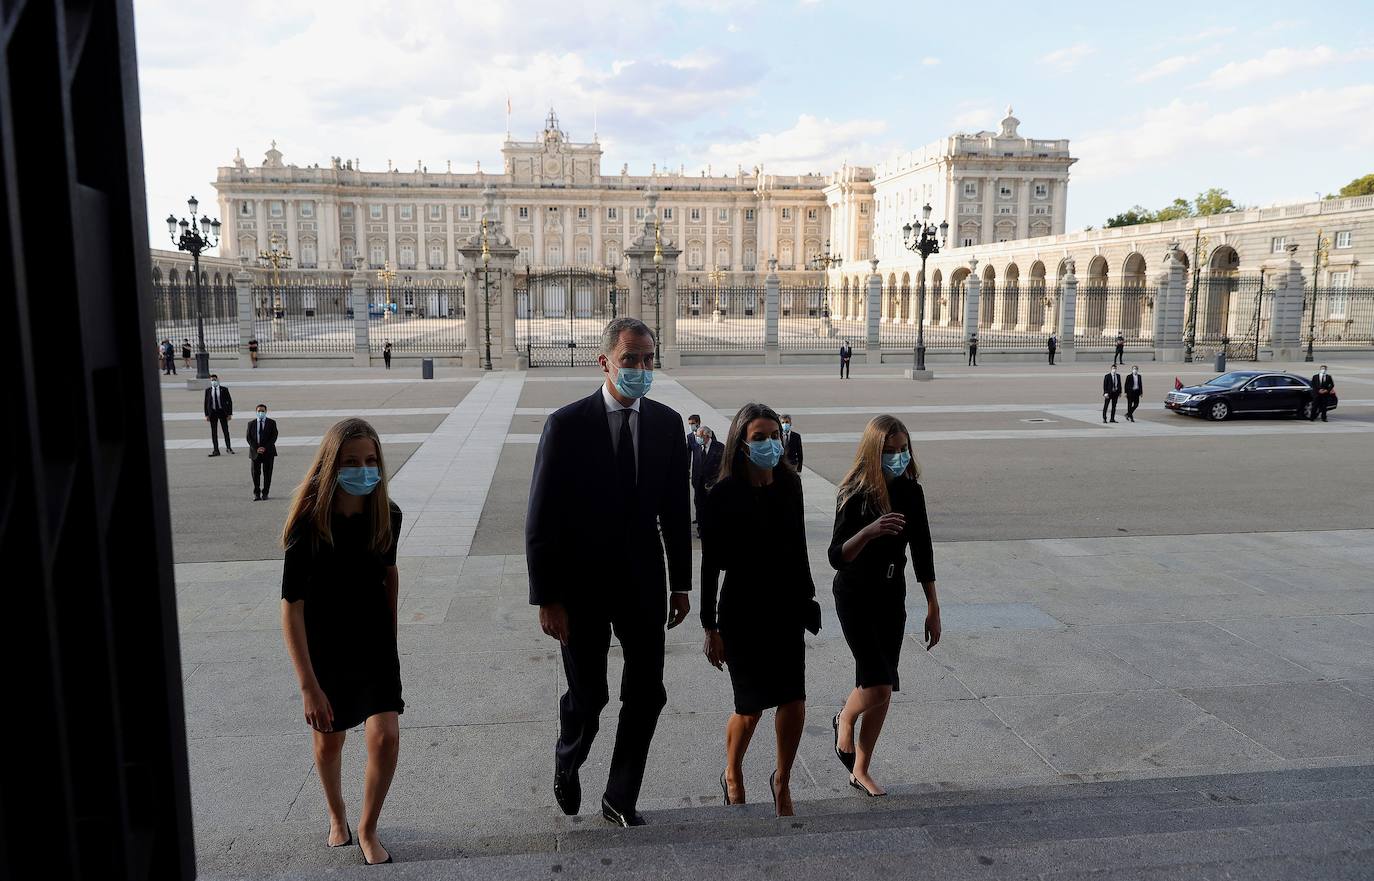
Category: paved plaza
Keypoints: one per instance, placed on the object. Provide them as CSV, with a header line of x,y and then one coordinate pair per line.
x,y
1158,651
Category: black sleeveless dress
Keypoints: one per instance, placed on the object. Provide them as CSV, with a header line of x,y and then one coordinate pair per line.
x,y
348,623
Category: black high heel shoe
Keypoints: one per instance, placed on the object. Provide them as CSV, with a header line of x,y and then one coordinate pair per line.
x,y
341,843
725,790
846,759
854,782
772,789
364,853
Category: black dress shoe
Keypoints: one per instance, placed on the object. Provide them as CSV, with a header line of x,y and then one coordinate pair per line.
x,y
846,759
619,817
256,497
231,452
213,455
567,791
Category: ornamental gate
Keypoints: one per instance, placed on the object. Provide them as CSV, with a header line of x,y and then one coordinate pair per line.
x,y
560,313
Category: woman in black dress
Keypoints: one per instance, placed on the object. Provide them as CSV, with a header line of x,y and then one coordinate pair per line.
x,y
253,351
880,512
186,351
339,587
386,354
755,534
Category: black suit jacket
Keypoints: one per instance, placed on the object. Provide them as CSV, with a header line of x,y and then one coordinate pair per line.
x,y
226,402
1135,385
1111,384
268,439
577,546
846,353
793,451
1318,383
706,464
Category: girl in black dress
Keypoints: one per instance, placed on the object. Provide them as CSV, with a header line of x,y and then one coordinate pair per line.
x,y
186,351
755,534
339,587
880,512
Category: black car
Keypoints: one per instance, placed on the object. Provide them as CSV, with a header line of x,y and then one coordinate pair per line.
x,y
1246,391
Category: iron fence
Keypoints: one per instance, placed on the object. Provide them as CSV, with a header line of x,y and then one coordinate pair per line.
x,y
561,312
1103,311
1338,317
944,331
175,311
420,319
718,318
1227,313
302,318
807,321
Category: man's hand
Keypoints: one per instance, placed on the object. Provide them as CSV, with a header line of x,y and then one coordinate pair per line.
x,y
262,449
678,607
553,620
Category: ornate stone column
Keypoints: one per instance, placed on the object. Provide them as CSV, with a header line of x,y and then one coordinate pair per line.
x,y
362,355
1068,305
1170,296
873,315
1286,315
771,305
645,272
243,293
500,269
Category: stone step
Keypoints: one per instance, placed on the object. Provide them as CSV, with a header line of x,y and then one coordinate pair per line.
x,y
1009,820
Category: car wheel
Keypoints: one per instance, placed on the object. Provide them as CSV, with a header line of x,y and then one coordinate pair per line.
x,y
1305,411
1218,411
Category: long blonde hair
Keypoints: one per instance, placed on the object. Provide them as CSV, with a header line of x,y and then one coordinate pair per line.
x,y
866,476
312,505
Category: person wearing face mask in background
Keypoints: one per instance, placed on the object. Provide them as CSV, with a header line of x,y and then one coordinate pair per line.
x,y
1135,387
706,458
262,452
1323,387
219,409
756,535
339,588
791,444
608,502
880,512
693,426
1111,390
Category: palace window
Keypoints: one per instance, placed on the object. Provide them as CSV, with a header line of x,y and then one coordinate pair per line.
x,y
1004,209
407,256
436,256
723,215
526,255
863,207
581,213
750,260
1343,239
308,258
436,212
612,213
811,214
722,256
306,209
274,209
523,212
639,214
376,255
1042,191
407,212
863,251
346,211
612,253
968,241
749,215
347,249
374,212
1004,191
1040,209
787,214
694,215
584,255
667,214
1338,297
971,189
246,209
694,256
1276,244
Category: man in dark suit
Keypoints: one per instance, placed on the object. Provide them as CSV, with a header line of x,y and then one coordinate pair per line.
x,y
1111,390
1135,387
693,426
1053,346
262,452
608,502
706,458
1119,356
219,409
846,353
791,444
973,350
1323,387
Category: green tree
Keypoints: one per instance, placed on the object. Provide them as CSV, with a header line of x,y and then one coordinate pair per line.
x,y
1213,201
1176,209
1137,214
1360,186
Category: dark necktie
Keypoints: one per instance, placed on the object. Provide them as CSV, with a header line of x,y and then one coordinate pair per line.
x,y
625,455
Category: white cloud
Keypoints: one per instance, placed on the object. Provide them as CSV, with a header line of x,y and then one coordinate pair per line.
x,y
1279,62
974,119
930,61
1165,67
812,144
1181,129
1067,58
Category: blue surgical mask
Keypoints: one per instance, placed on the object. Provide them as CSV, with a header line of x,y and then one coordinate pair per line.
x,y
894,464
360,480
262,414
214,383
765,453
633,382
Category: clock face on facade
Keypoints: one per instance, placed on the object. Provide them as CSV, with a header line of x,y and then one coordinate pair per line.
x,y
552,166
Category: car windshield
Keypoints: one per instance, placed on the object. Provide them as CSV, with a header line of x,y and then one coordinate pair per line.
x,y
1229,380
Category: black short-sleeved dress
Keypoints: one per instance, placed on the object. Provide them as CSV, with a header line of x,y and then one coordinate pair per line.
x,y
756,535
870,590
186,352
348,622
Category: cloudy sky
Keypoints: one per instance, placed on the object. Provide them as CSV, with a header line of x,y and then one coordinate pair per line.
x,y
1268,100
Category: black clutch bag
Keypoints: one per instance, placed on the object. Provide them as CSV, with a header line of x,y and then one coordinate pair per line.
x,y
811,616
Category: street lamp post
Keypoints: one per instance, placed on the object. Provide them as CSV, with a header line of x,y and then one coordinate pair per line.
x,y
658,296
924,243
194,241
825,262
1319,259
385,275
275,256
486,296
